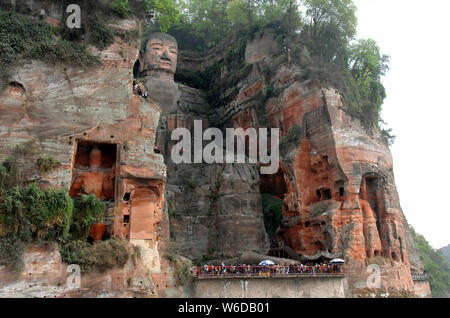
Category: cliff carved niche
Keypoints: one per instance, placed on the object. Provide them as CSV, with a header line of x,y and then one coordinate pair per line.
x,y
372,191
140,211
273,184
17,90
371,197
94,170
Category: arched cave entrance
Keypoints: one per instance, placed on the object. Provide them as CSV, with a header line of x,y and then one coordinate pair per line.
x,y
273,189
273,184
372,191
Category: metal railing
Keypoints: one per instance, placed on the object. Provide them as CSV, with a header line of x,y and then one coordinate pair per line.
x,y
420,276
266,271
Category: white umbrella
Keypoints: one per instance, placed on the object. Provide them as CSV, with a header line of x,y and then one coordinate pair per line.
x,y
337,261
266,262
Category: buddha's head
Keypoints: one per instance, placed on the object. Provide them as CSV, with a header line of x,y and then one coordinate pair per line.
x,y
95,158
159,56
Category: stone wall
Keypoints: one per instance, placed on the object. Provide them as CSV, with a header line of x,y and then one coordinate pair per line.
x,y
334,287
422,289
45,276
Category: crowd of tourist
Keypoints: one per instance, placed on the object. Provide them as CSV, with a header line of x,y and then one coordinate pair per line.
x,y
138,90
269,270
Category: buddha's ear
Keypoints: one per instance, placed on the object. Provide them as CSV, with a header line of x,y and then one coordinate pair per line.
x,y
141,61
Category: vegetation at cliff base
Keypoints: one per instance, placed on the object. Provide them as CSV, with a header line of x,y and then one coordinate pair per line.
x,y
46,164
87,211
100,256
181,265
272,211
435,264
29,214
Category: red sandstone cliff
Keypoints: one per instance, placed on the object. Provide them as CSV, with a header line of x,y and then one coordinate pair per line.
x,y
336,179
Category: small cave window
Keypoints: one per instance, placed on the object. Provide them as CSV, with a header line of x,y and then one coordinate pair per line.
x,y
307,224
323,223
17,89
126,219
327,194
319,194
126,197
341,192
394,256
376,253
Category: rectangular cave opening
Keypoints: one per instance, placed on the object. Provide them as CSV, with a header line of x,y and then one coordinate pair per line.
x,y
94,173
94,170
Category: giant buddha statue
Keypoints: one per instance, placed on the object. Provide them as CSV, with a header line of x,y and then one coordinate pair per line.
x,y
158,60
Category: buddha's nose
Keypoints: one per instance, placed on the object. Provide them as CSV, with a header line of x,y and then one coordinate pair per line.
x,y
165,55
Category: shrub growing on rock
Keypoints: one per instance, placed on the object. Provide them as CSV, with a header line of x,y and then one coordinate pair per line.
x,y
101,256
46,164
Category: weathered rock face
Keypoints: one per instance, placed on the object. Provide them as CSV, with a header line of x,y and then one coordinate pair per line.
x,y
46,276
73,115
220,215
215,210
336,179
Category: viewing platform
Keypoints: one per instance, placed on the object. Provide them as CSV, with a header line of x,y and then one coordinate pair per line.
x,y
266,272
420,277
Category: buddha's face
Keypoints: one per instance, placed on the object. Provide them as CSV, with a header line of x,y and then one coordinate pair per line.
x,y
161,55
95,158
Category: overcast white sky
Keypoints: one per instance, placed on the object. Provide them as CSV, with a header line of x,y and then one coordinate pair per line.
x,y
416,35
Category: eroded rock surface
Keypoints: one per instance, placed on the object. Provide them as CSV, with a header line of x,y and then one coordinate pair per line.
x,y
70,113
215,209
335,178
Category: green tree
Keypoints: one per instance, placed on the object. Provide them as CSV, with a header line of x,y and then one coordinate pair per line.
x,y
284,13
241,12
435,265
209,19
121,8
367,66
166,12
329,26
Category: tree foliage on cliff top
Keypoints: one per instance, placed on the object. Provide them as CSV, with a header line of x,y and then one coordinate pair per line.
x,y
24,37
327,28
435,264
